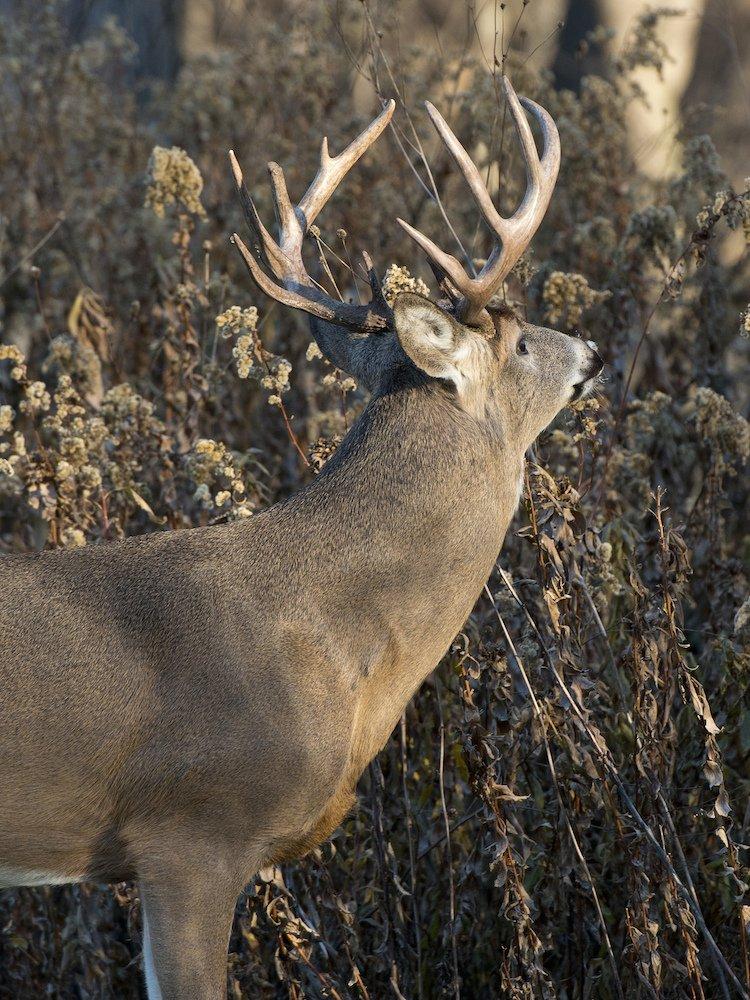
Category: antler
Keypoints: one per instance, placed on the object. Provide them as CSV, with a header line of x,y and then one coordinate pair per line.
x,y
293,285
515,233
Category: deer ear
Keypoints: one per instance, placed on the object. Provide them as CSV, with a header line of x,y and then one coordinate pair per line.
x,y
431,337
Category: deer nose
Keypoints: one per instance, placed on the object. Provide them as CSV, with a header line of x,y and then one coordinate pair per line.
x,y
597,362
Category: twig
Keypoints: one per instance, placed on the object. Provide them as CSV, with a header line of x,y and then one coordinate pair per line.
x,y
40,304
449,847
688,880
558,27
376,783
417,145
456,826
563,809
412,859
35,249
602,751
292,435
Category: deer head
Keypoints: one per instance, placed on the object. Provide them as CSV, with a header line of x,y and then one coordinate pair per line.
x,y
499,368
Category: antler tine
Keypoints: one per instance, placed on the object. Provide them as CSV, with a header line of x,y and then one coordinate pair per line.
x,y
333,168
293,285
363,319
270,248
550,160
446,262
286,219
468,168
514,233
373,280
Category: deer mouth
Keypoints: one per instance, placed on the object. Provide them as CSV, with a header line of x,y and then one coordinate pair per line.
x,y
582,388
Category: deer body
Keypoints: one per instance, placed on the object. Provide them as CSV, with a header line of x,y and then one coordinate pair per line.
x,y
187,707
265,660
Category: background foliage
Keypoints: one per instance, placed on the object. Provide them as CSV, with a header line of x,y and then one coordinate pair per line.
x,y
563,809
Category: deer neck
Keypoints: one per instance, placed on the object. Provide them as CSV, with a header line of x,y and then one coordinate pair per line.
x,y
426,491
423,494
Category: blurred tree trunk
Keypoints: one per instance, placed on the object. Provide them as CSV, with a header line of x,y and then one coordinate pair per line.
x,y
717,96
156,26
706,78
580,18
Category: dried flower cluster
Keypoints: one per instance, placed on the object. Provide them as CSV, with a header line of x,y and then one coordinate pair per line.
x,y
398,279
567,297
219,484
173,179
251,358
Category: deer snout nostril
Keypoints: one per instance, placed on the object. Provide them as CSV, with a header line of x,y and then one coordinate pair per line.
x,y
597,363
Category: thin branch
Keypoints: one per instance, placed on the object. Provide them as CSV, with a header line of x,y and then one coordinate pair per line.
x,y
34,250
432,189
449,848
603,753
412,858
551,764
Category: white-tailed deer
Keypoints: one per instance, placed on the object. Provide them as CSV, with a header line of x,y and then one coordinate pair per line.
x,y
188,707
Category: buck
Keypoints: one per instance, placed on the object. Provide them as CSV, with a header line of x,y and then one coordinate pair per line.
x,y
187,707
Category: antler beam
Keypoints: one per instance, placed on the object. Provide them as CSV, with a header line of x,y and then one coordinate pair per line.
x,y
514,234
291,284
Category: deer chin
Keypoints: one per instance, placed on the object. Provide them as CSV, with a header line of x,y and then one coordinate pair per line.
x,y
581,389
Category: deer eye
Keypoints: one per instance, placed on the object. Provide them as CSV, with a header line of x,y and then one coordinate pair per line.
x,y
522,347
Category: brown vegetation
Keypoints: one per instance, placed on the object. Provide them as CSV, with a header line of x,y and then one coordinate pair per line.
x,y
563,810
